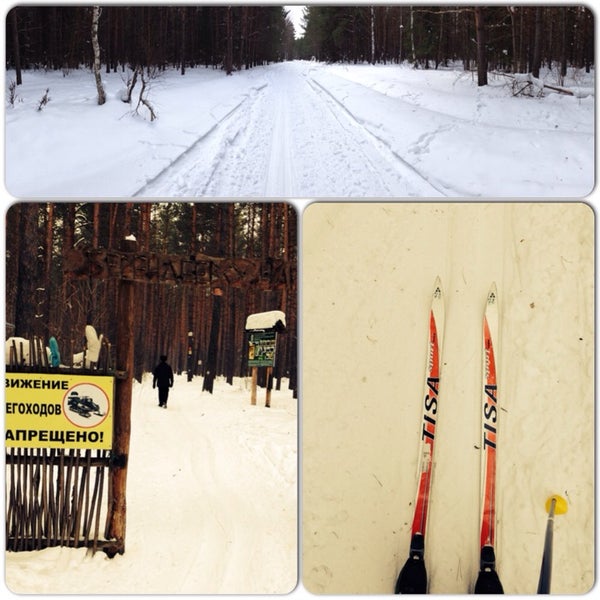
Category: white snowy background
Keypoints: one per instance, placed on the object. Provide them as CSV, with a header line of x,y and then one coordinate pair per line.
x,y
212,501
300,129
368,272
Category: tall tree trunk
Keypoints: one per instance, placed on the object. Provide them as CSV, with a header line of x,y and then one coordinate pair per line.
x,y
48,261
481,50
117,511
440,53
372,35
563,46
512,10
213,346
537,42
96,47
26,323
229,41
401,36
96,226
182,15
16,47
413,53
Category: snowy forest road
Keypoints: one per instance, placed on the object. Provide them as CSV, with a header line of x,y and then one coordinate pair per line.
x,y
289,137
301,129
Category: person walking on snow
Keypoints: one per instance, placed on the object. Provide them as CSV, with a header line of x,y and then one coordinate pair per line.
x,y
163,378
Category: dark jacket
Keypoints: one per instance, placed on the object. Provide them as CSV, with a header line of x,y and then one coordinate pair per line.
x,y
163,375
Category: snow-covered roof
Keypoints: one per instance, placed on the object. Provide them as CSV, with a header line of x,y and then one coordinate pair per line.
x,y
266,320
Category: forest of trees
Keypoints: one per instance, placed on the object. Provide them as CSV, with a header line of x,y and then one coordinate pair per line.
x,y
43,300
229,37
516,39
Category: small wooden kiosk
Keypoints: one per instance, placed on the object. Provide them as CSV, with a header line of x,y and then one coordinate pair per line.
x,y
262,329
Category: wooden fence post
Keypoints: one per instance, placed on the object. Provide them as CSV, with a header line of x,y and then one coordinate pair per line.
x,y
122,416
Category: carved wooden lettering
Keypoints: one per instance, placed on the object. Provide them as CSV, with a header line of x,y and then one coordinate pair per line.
x,y
199,269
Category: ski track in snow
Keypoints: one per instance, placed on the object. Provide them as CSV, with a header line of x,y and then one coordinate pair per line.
x,y
427,187
290,137
223,516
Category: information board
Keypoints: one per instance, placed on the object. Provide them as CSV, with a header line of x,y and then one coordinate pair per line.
x,y
261,348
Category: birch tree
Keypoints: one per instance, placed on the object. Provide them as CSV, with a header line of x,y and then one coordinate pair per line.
x,y
96,47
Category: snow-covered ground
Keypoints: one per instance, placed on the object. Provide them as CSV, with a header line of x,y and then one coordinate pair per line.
x,y
368,272
212,501
299,129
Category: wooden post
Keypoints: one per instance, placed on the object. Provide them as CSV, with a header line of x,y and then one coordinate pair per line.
x,y
254,384
117,508
269,386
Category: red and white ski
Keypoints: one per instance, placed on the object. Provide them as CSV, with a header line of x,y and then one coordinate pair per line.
x,y
413,576
488,581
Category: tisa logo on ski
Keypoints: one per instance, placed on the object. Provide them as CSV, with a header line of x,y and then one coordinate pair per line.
x,y
430,408
433,380
490,406
490,412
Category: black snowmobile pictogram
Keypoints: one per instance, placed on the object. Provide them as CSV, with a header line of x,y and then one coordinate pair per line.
x,y
83,405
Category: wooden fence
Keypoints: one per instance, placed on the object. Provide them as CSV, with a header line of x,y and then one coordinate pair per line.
x,y
54,497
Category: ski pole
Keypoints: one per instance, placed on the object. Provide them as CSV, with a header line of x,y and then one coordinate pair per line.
x,y
554,505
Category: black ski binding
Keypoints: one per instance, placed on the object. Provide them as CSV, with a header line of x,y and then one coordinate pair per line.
x,y
488,581
413,576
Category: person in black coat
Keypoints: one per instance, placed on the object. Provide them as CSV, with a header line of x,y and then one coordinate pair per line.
x,y
163,378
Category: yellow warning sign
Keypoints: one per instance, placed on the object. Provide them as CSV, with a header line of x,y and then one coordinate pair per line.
x,y
58,411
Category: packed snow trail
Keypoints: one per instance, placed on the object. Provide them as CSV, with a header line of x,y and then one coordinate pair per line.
x,y
300,130
232,500
289,138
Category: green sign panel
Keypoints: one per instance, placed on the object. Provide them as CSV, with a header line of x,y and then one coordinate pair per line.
x,y
261,348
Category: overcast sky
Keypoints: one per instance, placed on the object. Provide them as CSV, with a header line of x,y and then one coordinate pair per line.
x,y
295,15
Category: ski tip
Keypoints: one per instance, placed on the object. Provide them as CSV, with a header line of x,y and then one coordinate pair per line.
x,y
560,506
492,297
437,288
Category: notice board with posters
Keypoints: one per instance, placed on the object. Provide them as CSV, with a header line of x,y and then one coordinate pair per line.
x,y
45,410
262,331
261,348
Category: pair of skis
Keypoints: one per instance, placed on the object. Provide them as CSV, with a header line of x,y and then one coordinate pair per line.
x,y
413,576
